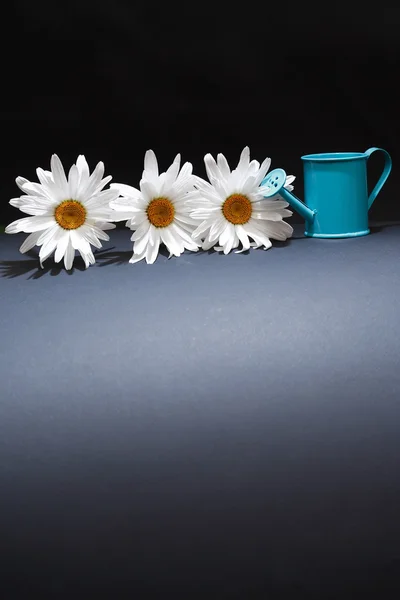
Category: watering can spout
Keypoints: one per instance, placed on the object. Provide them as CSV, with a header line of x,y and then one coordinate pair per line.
x,y
274,184
299,206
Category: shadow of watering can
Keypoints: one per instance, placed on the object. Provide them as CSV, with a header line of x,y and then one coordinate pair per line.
x,y
336,192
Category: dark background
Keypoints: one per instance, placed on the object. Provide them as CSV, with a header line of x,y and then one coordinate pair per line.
x,y
111,80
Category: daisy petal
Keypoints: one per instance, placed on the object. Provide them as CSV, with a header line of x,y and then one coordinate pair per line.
x,y
93,184
265,165
59,174
223,165
69,256
226,234
89,235
171,174
126,190
21,182
243,163
73,182
148,189
137,257
243,237
30,224
30,242
171,242
151,164
61,247
152,251
83,169
16,202
140,231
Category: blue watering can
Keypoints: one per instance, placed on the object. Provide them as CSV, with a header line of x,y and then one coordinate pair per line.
x,y
336,192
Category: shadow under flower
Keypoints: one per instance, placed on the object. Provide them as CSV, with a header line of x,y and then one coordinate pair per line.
x,y
17,268
121,257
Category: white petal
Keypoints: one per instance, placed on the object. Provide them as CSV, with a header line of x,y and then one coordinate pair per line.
x,y
50,244
150,164
277,230
269,204
148,189
126,190
254,167
230,242
38,190
248,184
242,235
87,257
153,234
207,244
47,234
88,234
75,238
258,236
184,182
137,257
30,224
36,210
101,214
227,233
21,182
61,246
265,165
212,170
102,199
45,179
185,173
202,229
182,218
105,226
218,227
244,161
59,175
83,169
93,184
179,232
223,166
268,215
120,215
69,256
86,252
30,242
173,244
140,231
171,174
152,251
73,182
98,229
124,204
141,243
16,202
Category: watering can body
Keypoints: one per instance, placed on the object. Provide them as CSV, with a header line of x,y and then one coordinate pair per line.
x,y
336,193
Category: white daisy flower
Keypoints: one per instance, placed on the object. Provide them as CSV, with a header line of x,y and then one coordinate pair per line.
x,y
160,211
233,208
66,214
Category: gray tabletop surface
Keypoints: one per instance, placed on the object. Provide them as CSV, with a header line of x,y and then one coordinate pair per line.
x,y
226,426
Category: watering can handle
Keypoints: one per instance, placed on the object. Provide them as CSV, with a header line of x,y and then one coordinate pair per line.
x,y
385,174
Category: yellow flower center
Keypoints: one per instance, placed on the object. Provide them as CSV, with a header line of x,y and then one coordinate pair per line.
x,y
70,214
237,209
161,212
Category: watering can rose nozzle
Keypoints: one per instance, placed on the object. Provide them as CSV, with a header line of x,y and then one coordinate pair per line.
x,y
274,184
